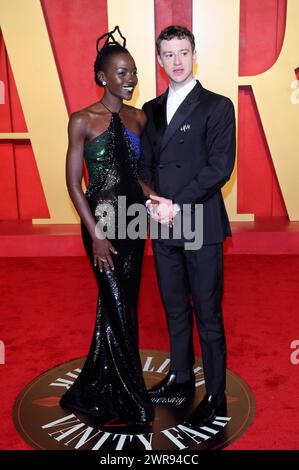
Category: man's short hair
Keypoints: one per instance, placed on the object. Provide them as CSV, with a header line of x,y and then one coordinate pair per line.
x,y
175,31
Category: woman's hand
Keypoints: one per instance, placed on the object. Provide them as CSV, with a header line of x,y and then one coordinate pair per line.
x,y
102,250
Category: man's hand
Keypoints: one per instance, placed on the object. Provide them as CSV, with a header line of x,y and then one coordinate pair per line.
x,y
161,209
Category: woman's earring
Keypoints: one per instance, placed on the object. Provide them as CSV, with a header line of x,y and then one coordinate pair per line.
x,y
104,83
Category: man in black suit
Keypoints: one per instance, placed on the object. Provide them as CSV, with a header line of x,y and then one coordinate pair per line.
x,y
188,155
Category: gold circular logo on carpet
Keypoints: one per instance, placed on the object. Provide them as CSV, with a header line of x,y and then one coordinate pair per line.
x,y
43,424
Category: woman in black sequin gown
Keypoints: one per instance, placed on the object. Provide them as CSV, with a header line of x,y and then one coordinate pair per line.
x,y
105,135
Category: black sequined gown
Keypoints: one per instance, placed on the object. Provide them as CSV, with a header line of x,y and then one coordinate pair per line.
x,y
111,386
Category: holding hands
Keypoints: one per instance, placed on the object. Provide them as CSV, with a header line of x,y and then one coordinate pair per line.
x,y
162,210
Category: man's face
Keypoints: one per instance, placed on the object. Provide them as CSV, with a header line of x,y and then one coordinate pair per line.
x,y
177,59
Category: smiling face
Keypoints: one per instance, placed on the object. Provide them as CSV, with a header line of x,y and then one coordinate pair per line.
x,y
120,74
177,59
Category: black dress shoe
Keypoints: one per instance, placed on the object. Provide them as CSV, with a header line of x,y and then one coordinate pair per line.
x,y
169,391
208,408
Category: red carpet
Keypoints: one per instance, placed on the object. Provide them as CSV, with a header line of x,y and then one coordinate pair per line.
x,y
47,316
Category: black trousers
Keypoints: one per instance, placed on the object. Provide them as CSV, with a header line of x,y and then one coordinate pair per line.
x,y
196,276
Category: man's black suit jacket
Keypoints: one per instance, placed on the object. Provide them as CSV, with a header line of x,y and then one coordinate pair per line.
x,y
189,160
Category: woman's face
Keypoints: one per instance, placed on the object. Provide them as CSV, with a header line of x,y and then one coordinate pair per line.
x,y
120,74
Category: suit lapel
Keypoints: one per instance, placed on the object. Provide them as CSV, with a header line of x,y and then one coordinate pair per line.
x,y
182,113
159,117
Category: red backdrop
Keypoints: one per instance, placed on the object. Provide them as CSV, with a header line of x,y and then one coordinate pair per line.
x,y
73,28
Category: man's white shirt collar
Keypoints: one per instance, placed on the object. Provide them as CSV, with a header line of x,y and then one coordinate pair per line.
x,y
181,93
175,98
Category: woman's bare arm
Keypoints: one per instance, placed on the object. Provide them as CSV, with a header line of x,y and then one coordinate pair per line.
x,y
74,171
102,248
147,190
